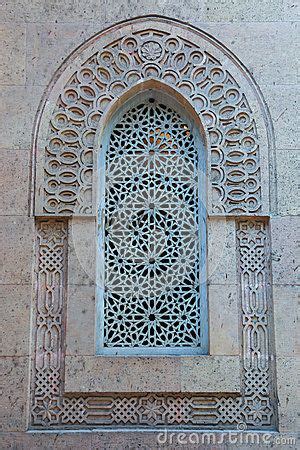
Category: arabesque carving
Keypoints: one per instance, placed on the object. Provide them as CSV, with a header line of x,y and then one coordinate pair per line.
x,y
66,187
213,84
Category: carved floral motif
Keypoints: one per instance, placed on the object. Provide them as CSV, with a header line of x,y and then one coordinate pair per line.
x,y
151,50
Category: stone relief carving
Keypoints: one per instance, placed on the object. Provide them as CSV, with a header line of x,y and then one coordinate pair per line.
x,y
255,408
110,68
66,184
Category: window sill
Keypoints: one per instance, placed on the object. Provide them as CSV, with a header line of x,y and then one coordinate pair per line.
x,y
100,374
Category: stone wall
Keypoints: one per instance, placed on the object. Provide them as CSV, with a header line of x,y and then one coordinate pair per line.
x,y
36,37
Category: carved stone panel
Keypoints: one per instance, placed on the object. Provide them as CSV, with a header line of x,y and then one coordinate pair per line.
x,y
254,409
197,69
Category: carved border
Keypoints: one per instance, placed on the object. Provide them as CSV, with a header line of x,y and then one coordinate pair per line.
x,y
198,69
50,408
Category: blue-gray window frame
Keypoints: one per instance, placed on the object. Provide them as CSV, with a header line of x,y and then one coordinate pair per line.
x,y
100,257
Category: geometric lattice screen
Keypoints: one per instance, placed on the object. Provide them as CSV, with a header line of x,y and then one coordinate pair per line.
x,y
152,238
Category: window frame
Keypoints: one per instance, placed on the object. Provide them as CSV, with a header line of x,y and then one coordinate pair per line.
x,y
195,129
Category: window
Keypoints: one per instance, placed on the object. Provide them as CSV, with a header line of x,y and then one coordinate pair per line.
x,y
152,236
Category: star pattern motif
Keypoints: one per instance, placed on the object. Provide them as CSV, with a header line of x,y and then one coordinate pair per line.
x,y
151,231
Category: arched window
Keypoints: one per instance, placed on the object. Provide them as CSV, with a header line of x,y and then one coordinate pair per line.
x,y
152,231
